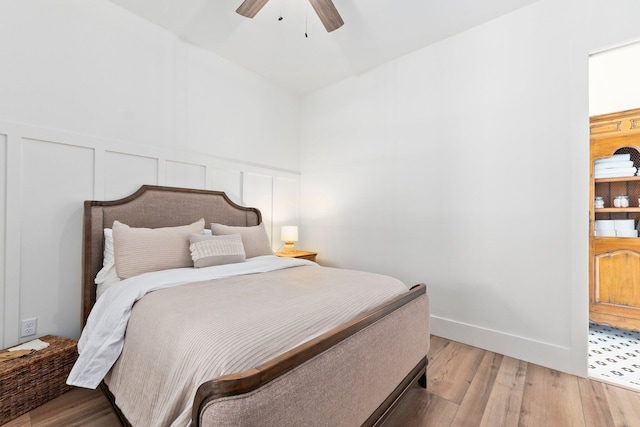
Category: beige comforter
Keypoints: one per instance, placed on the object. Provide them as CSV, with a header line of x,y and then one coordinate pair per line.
x,y
179,338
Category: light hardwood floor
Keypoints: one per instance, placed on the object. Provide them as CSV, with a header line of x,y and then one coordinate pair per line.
x,y
467,387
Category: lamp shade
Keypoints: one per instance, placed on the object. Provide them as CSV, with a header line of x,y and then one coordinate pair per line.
x,y
289,233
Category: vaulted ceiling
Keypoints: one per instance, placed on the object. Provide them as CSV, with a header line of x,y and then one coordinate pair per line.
x,y
375,31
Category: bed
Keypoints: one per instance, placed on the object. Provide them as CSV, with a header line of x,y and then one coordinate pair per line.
x,y
351,373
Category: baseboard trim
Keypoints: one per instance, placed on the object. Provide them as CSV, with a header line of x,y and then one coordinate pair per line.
x,y
550,355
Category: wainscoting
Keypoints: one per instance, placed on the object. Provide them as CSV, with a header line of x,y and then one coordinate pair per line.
x,y
46,176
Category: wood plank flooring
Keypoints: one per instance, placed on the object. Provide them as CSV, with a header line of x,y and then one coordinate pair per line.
x,y
467,387
472,387
78,407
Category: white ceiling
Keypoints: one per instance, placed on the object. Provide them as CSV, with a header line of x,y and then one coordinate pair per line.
x,y
375,31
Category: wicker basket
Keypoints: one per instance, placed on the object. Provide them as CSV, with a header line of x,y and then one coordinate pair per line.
x,y
32,380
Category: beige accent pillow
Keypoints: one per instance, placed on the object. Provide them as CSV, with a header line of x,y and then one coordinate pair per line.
x,y
216,250
141,250
254,239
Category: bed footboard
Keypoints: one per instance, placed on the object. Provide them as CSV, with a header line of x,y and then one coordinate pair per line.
x,y
352,382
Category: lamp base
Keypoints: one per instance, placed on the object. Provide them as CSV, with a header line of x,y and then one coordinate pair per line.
x,y
289,247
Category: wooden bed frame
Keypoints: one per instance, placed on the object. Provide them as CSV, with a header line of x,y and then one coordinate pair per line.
x,y
155,206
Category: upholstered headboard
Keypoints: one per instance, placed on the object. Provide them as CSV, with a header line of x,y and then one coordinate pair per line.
x,y
152,207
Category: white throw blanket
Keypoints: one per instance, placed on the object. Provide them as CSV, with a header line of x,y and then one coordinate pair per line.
x,y
102,338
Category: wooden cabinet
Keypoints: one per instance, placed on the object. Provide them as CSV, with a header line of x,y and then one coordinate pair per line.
x,y
614,283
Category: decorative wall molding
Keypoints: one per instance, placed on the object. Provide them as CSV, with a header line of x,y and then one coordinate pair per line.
x,y
47,174
3,264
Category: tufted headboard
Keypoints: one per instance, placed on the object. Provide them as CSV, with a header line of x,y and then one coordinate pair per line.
x,y
152,207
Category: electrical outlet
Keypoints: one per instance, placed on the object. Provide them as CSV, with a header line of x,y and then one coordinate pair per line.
x,y
28,327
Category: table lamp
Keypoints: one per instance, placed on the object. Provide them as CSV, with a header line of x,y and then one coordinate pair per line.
x,y
289,234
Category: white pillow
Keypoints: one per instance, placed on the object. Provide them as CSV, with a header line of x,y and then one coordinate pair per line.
x,y
107,276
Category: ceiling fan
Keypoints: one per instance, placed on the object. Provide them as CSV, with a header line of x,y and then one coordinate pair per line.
x,y
325,10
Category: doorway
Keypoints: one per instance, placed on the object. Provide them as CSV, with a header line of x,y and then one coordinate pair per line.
x,y
614,289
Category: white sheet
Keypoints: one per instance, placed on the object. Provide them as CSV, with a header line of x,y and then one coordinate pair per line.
x,y
613,165
614,173
102,338
615,158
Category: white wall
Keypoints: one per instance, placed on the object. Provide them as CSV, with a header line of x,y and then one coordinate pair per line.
x,y
613,80
3,240
95,102
406,168
465,165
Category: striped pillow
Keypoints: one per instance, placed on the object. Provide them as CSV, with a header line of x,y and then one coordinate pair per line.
x,y
141,250
216,250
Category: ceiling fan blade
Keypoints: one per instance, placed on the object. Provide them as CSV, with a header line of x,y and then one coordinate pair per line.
x,y
327,13
249,8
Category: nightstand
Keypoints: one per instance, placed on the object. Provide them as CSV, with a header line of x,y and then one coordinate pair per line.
x,y
32,380
311,256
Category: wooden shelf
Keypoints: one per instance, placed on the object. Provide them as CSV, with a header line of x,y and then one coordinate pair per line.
x,y
617,210
623,179
609,238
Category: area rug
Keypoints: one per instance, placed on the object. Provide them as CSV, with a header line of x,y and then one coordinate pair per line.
x,y
614,355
